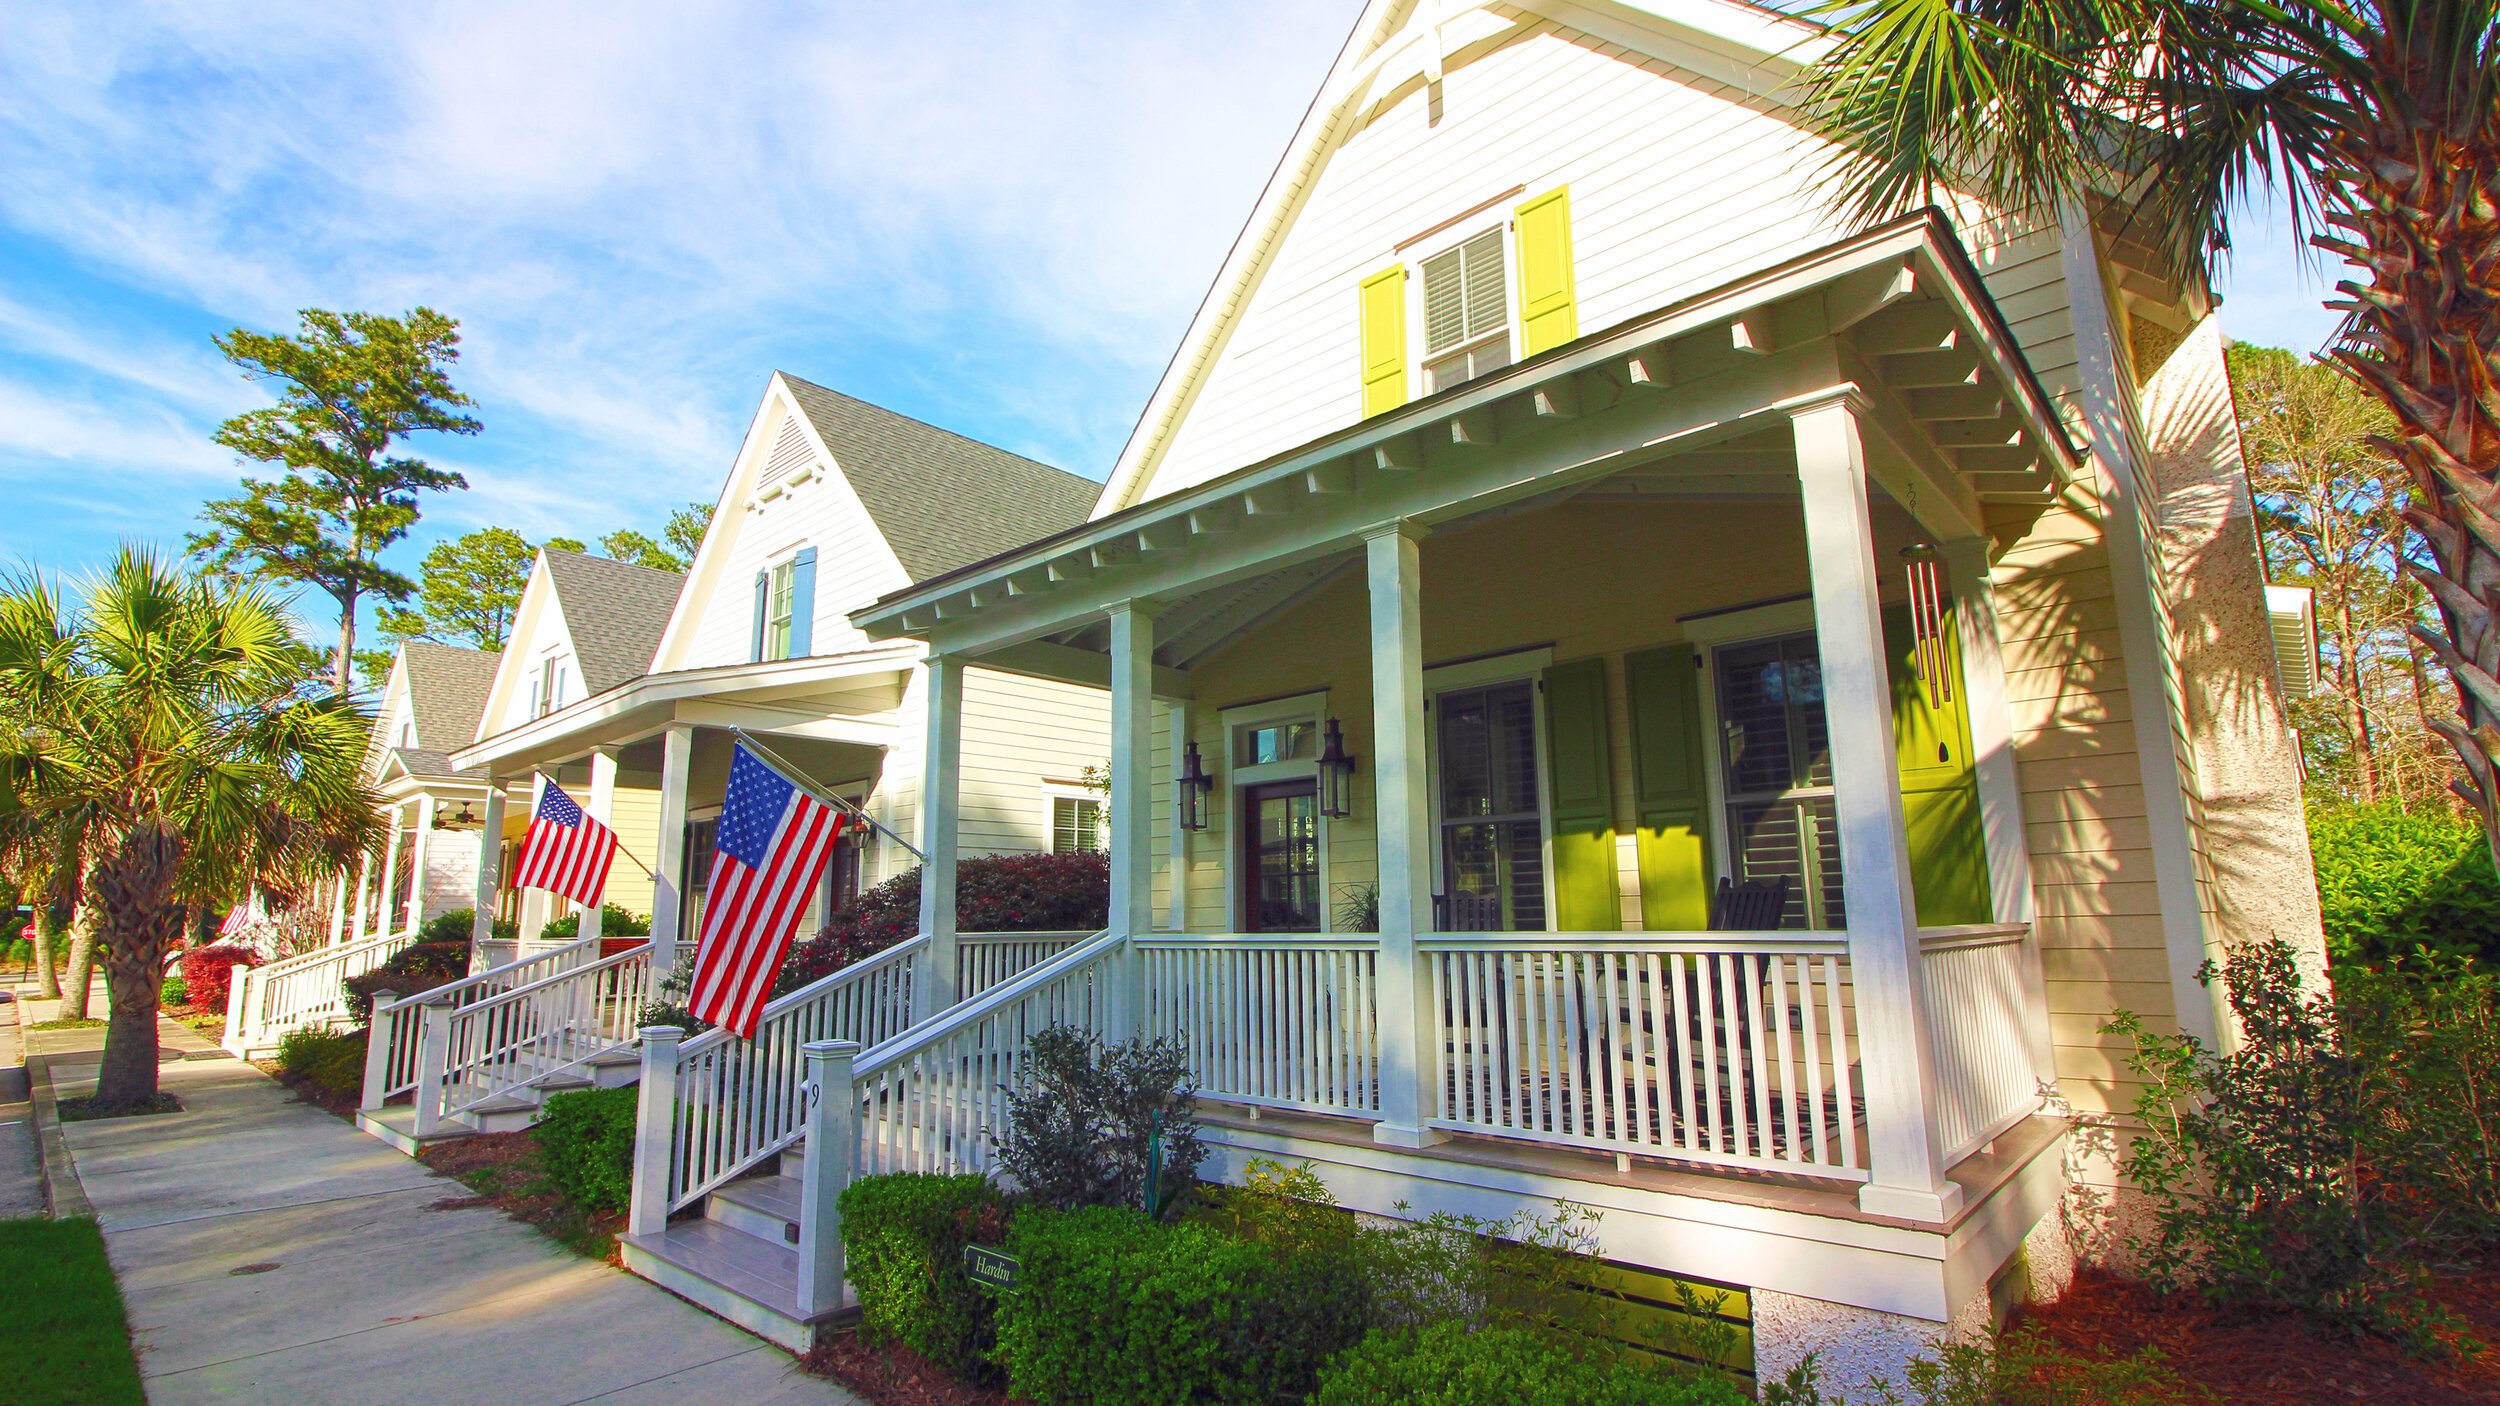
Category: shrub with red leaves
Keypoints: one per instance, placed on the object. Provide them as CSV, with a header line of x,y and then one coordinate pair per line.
x,y
208,972
993,893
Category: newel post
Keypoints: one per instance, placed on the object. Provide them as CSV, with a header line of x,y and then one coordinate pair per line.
x,y
433,1063
234,1007
832,1139
377,1050
655,1126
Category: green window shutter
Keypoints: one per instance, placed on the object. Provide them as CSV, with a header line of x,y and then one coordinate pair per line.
x,y
1384,341
1547,314
763,601
1585,890
1939,787
1670,788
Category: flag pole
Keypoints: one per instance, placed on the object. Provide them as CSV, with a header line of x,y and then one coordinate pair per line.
x,y
799,780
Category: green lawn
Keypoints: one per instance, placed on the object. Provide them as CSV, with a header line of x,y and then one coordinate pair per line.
x,y
68,1342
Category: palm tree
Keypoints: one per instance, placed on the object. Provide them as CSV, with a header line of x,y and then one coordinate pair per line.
x,y
2378,119
170,740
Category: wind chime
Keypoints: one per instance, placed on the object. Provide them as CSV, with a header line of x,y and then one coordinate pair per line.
x,y
1926,574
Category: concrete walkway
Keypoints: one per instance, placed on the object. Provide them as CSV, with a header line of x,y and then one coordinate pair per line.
x,y
270,1252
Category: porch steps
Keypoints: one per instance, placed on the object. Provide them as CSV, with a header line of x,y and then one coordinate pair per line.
x,y
515,1110
737,1259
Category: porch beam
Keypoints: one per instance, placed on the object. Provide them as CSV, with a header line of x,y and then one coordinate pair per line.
x,y
489,872
1906,1156
668,867
933,986
1400,802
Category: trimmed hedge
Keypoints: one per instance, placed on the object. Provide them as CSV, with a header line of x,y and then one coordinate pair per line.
x,y
903,1238
586,1143
335,1061
420,966
614,921
456,926
1112,1308
208,972
1450,1364
993,893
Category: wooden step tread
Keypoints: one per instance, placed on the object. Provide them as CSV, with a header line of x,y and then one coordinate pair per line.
x,y
772,1196
753,1269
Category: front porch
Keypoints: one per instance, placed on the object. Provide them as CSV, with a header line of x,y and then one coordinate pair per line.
x,y
1517,676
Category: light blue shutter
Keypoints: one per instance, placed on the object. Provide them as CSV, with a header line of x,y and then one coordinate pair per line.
x,y
802,601
763,600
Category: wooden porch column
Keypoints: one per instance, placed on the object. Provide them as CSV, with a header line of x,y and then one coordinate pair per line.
x,y
668,867
489,873
419,845
1132,794
1176,715
390,872
602,809
1896,1047
364,886
933,986
2000,786
1407,1029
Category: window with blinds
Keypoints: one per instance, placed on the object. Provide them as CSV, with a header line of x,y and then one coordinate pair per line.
x,y
1775,759
1492,831
780,601
1075,825
1466,312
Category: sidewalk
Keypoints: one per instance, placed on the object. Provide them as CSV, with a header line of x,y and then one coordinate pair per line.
x,y
270,1252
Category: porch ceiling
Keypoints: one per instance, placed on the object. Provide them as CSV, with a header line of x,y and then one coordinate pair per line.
x,y
1690,401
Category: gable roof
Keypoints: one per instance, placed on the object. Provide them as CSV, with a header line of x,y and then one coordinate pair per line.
x,y
1743,43
447,688
940,500
615,612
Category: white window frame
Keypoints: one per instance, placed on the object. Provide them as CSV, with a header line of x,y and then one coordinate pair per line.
x,y
1707,633
1054,792
1457,677
1420,357
547,684
1301,707
786,561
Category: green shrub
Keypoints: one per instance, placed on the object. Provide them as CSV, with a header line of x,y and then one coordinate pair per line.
x,y
175,992
420,966
614,921
334,1060
1451,1364
902,1243
586,1143
1112,1308
2429,1032
1092,1124
2389,882
455,926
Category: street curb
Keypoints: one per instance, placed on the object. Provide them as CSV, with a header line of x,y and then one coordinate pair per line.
x,y
63,1196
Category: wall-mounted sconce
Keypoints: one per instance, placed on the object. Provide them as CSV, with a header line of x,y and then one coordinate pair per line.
x,y
1189,793
1336,772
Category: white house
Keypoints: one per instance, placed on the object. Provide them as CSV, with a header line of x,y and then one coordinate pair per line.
x,y
1782,686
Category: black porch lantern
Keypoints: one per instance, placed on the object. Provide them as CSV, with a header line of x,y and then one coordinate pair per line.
x,y
1336,772
1189,794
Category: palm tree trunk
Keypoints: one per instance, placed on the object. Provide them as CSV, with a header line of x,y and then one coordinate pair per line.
x,y
81,962
141,922
47,971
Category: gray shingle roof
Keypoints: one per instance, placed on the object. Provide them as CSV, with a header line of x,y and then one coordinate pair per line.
x,y
447,688
941,500
617,612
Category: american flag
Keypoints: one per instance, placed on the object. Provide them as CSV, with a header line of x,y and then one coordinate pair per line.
x,y
565,852
772,846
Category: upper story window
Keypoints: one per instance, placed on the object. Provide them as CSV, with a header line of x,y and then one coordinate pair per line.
x,y
548,690
408,733
780,604
1466,312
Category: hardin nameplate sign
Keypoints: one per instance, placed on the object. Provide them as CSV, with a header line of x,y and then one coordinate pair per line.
x,y
992,1268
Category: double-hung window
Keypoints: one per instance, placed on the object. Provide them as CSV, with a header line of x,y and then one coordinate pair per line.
x,y
1075,825
1466,312
780,604
1776,767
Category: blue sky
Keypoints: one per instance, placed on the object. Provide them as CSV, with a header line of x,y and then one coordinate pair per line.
x,y
998,218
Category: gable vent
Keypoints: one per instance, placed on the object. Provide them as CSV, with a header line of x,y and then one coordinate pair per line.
x,y
791,452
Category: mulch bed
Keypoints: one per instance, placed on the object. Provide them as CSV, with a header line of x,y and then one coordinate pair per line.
x,y
2275,1359
335,1102
80,1110
503,1168
893,1375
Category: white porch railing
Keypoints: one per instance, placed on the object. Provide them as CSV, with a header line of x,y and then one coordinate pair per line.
x,y
266,1002
1735,1049
1977,1007
397,1027
1280,1020
480,1051
984,959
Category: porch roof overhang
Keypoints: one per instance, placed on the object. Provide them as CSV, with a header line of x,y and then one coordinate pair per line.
x,y
1896,318
781,696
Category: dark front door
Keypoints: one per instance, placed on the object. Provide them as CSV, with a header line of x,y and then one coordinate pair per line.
x,y
1280,856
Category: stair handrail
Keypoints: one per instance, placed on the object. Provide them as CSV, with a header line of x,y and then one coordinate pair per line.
x,y
249,1022
392,1032
482,1043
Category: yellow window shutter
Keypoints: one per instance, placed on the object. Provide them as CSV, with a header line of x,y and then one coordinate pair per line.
x,y
1384,341
1547,316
